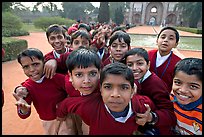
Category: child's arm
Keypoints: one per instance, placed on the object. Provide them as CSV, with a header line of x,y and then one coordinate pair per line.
x,y
21,91
50,68
22,105
143,118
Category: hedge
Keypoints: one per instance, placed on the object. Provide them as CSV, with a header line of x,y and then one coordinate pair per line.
x,y
12,47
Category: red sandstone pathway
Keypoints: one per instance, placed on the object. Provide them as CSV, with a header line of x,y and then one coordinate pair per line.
x,y
13,75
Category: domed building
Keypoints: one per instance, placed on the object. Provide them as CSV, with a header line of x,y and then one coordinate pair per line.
x,y
153,13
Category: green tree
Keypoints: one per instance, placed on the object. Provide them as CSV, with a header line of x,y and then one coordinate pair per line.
x,y
191,12
77,10
119,17
104,15
114,5
6,6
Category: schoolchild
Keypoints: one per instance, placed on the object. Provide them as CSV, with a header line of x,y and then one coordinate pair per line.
x,y
119,44
151,85
187,96
112,110
56,36
43,93
78,39
163,59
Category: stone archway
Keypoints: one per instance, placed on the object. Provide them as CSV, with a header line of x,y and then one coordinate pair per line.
x,y
171,19
154,10
137,19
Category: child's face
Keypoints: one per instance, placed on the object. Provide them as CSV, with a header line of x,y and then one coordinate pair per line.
x,y
138,65
85,80
166,41
32,68
116,92
79,41
187,88
57,41
118,49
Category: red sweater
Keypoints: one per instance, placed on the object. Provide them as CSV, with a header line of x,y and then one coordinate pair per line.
x,y
61,62
168,74
45,96
156,90
93,112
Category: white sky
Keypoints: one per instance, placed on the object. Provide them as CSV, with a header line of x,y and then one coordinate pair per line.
x,y
31,4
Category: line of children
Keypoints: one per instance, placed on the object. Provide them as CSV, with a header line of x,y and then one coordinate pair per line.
x,y
151,85
163,59
113,110
43,93
187,96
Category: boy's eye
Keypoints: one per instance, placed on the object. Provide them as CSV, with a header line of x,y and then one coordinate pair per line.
x,y
177,82
25,67
93,74
194,87
78,75
129,64
60,37
125,87
107,86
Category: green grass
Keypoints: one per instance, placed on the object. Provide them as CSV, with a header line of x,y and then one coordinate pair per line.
x,y
31,28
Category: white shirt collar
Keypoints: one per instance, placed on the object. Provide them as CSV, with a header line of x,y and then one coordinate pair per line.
x,y
122,119
146,75
161,59
40,80
57,55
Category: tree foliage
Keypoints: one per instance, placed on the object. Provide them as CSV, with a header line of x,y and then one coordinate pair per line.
x,y
119,17
77,10
6,6
104,15
191,12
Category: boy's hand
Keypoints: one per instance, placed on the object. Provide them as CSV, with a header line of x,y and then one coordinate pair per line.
x,y
50,68
24,106
21,92
141,119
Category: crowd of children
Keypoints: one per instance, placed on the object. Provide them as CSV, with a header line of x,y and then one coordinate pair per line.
x,y
96,84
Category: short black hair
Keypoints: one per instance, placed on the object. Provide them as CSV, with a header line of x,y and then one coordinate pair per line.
x,y
56,28
171,28
82,58
117,68
30,52
120,35
136,51
190,66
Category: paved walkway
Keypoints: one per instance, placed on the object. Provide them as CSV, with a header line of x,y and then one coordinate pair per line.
x,y
13,75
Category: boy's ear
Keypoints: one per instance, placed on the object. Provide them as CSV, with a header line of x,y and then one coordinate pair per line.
x,y
148,65
175,45
70,76
134,90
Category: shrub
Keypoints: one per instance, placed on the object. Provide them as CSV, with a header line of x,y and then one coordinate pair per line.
x,y
44,22
11,25
13,47
192,30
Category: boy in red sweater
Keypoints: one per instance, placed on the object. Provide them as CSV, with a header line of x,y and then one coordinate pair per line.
x,y
111,111
151,85
119,44
56,36
43,93
163,60
79,38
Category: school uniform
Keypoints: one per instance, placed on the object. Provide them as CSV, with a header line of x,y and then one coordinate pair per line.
x,y
95,113
153,87
62,69
45,94
165,70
